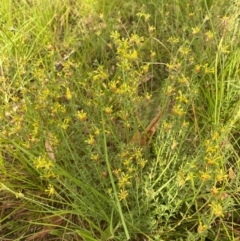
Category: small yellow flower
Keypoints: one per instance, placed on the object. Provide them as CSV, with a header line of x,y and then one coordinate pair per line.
x,y
151,29
138,153
48,175
185,124
122,194
207,143
215,136
195,30
142,162
131,169
184,50
221,176
82,116
182,98
117,172
101,16
127,162
136,39
178,110
214,190
217,209
100,74
127,124
45,93
183,80
198,68
225,19
148,97
43,163
174,144
124,180
50,190
96,132
224,49
167,126
133,55
147,16
145,68
173,40
95,157
202,228
209,36
65,123
19,195
68,94
211,160
211,148
114,85
90,141
152,54
208,70
108,110
170,90
205,176
48,165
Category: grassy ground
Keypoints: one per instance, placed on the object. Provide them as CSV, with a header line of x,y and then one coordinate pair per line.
x,y
119,120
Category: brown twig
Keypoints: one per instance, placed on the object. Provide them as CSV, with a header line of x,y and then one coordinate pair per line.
x,y
144,138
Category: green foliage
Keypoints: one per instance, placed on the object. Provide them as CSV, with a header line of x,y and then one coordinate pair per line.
x,y
80,83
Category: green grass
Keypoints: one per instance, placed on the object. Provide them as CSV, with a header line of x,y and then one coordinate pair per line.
x,y
80,82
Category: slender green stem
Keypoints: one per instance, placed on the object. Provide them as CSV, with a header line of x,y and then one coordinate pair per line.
x,y
111,178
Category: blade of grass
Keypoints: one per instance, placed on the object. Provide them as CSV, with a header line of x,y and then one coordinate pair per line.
x,y
111,177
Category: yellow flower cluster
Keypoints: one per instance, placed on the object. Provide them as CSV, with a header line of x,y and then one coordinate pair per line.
x,y
45,165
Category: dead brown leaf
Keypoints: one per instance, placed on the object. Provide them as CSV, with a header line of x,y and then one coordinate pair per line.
x,y
54,221
144,138
231,173
49,147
